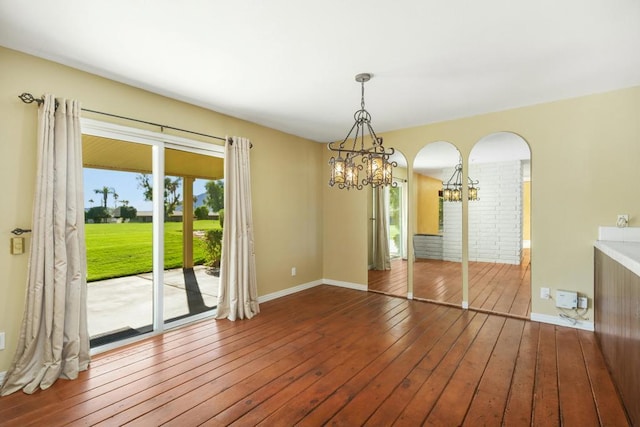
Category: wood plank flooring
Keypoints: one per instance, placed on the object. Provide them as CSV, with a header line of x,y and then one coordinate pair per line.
x,y
337,356
497,288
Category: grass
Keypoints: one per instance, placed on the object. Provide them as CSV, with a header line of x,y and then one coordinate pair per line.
x,y
117,250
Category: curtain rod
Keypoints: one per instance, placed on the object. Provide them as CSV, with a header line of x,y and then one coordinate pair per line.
x,y
27,98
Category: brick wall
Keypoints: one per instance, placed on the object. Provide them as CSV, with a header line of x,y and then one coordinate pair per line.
x,y
495,220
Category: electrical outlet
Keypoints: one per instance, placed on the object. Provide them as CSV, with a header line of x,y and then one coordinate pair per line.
x,y
545,293
17,245
293,271
623,220
1,340
583,302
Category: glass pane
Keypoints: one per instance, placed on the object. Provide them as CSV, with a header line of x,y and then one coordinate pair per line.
x,y
119,240
192,236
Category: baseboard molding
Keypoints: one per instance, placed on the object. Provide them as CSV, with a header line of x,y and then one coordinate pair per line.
x,y
289,291
557,320
309,285
349,285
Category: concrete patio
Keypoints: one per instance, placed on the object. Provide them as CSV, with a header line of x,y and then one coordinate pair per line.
x,y
125,303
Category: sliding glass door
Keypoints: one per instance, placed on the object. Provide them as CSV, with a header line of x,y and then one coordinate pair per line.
x,y
151,260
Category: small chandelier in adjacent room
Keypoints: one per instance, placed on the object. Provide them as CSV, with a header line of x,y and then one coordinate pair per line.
x,y
452,190
376,165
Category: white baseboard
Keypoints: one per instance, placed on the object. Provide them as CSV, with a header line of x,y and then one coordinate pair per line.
x,y
557,320
309,285
349,285
289,291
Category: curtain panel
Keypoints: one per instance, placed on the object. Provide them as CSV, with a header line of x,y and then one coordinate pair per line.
x,y
54,338
238,291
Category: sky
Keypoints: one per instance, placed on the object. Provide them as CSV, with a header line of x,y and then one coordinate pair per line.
x,y
125,185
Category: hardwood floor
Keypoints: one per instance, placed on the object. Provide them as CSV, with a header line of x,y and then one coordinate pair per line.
x,y
337,356
497,288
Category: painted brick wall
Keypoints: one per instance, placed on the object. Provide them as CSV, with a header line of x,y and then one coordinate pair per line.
x,y
495,220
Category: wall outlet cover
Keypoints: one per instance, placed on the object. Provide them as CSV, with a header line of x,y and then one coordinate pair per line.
x,y
544,293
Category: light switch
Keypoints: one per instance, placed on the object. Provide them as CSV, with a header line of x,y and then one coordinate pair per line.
x,y
17,245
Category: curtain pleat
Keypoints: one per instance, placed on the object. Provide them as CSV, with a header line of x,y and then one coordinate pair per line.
x,y
238,291
54,338
382,257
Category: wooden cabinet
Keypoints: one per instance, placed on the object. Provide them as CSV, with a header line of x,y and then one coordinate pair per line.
x,y
617,326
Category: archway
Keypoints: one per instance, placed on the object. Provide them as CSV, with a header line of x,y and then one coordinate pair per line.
x,y
437,242
498,239
391,281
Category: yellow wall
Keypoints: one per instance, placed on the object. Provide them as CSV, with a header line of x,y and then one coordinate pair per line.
x,y
287,182
581,148
526,210
428,204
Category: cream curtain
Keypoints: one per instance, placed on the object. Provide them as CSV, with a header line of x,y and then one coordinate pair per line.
x,y
382,258
54,339
238,291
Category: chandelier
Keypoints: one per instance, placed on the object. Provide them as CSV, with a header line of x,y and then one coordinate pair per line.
x,y
452,191
351,157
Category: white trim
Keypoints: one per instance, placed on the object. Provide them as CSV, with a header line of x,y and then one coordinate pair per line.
x,y
557,320
465,305
289,291
526,244
141,136
409,295
349,285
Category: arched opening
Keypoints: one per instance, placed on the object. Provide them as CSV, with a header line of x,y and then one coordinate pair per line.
x,y
437,242
387,233
499,225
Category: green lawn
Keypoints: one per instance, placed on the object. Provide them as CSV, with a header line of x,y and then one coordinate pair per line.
x,y
116,250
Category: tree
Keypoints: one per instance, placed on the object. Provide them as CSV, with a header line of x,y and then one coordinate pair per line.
x,y
104,191
171,192
128,212
97,214
201,212
215,195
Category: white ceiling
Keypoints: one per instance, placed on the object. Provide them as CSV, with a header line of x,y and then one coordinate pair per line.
x,y
290,65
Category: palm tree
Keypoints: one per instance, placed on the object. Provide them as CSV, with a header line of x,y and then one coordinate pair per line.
x,y
105,191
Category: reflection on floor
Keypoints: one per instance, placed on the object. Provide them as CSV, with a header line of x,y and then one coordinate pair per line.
x,y
123,307
498,288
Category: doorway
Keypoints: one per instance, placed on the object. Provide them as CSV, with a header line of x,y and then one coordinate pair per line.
x,y
392,215
499,226
145,250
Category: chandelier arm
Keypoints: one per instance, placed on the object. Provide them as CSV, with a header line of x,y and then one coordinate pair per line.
x,y
340,147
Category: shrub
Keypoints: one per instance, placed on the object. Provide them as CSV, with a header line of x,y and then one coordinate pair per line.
x,y
201,212
221,217
213,247
97,214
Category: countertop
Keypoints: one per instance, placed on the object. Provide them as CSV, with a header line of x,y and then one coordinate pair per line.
x,y
626,253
